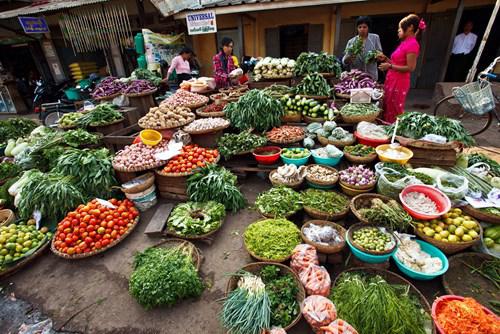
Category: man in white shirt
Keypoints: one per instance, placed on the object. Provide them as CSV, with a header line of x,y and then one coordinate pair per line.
x,y
461,54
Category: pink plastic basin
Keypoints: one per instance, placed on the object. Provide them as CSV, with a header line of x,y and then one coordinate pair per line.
x,y
442,201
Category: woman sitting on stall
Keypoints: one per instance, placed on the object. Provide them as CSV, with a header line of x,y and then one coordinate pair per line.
x,y
403,61
371,42
223,64
180,64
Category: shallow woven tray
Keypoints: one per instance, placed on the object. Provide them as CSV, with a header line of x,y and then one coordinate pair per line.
x,y
25,261
358,226
480,215
448,247
194,237
174,242
202,132
196,106
363,201
84,255
365,187
201,113
325,249
360,160
107,98
343,96
69,127
315,97
319,182
6,217
160,173
189,120
141,168
149,92
286,142
255,268
353,119
394,279
457,280
308,119
275,183
317,214
107,124
338,143
271,77
291,118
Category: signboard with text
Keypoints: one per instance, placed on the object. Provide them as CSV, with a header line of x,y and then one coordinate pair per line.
x,y
201,23
34,25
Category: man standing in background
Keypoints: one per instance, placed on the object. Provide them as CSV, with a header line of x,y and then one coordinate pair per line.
x,y
461,57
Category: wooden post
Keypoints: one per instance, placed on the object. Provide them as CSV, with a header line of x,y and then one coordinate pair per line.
x,y
241,36
338,21
454,30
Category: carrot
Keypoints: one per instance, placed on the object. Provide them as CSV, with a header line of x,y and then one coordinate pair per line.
x,y
466,317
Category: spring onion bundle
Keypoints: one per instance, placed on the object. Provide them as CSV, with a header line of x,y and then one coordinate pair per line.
x,y
247,308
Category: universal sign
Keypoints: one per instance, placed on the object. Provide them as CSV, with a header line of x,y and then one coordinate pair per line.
x,y
201,23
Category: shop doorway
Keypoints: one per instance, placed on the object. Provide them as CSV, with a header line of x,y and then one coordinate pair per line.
x,y
293,40
235,36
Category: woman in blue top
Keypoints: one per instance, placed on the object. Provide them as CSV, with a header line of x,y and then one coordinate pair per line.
x,y
371,42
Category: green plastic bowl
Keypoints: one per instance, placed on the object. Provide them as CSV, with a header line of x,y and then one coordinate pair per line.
x,y
433,252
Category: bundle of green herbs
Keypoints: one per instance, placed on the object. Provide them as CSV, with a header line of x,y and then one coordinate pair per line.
x,y
356,48
312,62
9,169
476,158
282,290
102,114
196,218
91,169
164,276
314,85
390,214
324,201
80,137
14,128
230,143
416,125
371,305
400,171
272,239
214,183
256,109
279,202
247,309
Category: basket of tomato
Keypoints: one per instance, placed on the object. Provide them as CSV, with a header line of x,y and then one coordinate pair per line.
x,y
94,227
173,177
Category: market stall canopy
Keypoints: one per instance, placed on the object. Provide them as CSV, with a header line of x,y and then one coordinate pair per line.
x,y
38,7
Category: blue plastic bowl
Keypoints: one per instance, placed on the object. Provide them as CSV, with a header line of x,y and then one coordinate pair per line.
x,y
327,161
296,162
368,258
432,251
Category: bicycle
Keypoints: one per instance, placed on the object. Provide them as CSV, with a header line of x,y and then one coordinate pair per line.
x,y
477,101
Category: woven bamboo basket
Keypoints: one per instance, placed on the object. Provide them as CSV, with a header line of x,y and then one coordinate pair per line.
x,y
481,215
364,201
201,113
6,217
448,247
140,168
178,125
149,92
149,180
356,190
207,131
195,237
107,98
393,279
308,119
183,244
360,160
261,259
294,185
9,270
325,249
289,141
255,268
354,119
338,143
291,118
343,96
239,88
84,255
172,183
110,127
358,226
321,182
322,215
195,106
70,127
315,97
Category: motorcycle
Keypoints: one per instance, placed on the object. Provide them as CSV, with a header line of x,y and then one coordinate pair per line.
x,y
49,111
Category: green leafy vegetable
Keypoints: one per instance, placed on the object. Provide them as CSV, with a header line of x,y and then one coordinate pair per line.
x,y
214,183
256,109
354,109
311,62
146,74
163,277
9,169
390,214
324,201
102,114
356,48
475,158
313,84
14,128
194,218
80,137
230,143
279,202
272,239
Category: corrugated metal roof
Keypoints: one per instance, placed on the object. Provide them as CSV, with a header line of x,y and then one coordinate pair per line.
x,y
46,6
223,3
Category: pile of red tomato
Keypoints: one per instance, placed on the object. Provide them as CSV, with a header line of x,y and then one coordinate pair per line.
x,y
94,226
190,158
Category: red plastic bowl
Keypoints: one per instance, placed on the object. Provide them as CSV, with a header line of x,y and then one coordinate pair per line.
x,y
267,159
370,141
438,303
442,201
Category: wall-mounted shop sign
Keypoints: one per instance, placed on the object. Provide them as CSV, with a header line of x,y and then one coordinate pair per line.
x,y
34,25
201,23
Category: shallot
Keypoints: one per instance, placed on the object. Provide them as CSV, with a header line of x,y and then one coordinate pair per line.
x,y
138,155
358,176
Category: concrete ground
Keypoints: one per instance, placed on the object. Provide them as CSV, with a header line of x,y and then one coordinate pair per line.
x,y
91,295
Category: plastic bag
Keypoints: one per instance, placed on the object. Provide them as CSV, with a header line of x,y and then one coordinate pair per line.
x,y
145,199
454,193
302,256
434,139
316,280
338,326
276,330
318,311
392,189
480,169
138,184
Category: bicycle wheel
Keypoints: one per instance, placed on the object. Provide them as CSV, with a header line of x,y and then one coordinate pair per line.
x,y
474,124
52,118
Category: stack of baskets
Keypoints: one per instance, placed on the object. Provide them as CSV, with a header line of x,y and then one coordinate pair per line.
x,y
141,191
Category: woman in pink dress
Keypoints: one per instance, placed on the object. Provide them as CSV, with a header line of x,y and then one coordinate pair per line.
x,y
403,61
